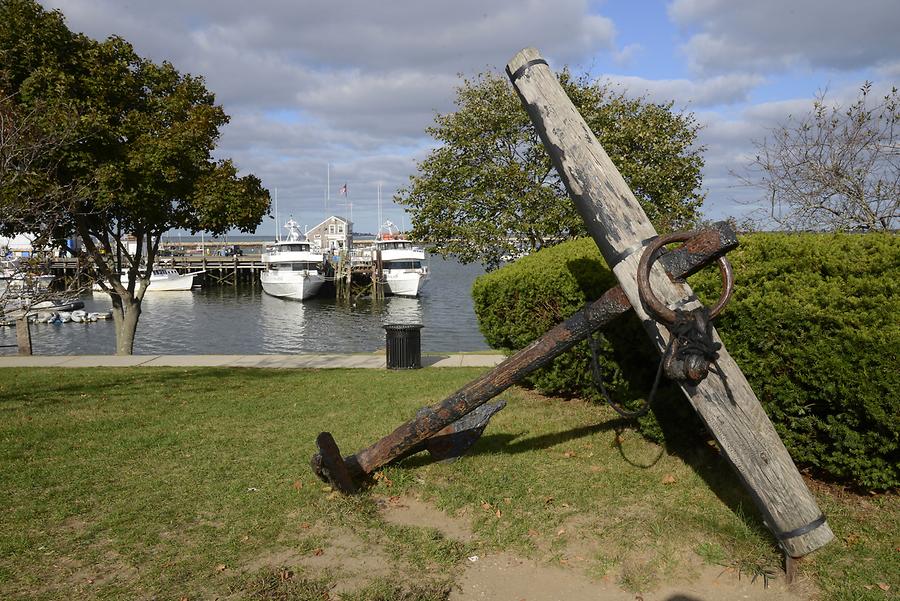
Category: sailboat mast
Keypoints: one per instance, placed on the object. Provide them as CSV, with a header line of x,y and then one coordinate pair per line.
x,y
379,206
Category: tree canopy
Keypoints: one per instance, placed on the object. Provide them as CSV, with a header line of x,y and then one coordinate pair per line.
x,y
834,168
489,188
141,161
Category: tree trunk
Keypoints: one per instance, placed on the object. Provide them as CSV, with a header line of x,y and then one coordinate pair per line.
x,y
23,335
125,316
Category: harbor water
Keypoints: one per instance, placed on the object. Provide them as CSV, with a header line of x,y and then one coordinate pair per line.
x,y
244,320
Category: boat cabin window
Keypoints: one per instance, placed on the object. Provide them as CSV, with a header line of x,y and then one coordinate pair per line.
x,y
395,245
402,264
299,266
289,248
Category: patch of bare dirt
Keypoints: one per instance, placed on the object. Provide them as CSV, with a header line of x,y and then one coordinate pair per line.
x,y
349,560
411,511
65,574
504,576
111,569
714,583
355,563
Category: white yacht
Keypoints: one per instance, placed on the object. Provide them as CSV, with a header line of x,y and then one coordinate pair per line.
x,y
14,276
292,270
167,280
164,280
403,264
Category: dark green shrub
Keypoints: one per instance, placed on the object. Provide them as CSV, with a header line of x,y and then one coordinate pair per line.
x,y
521,301
814,325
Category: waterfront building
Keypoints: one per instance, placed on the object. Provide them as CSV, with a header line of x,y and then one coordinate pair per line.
x,y
22,246
334,234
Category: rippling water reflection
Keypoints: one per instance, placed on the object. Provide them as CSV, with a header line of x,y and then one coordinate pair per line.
x,y
244,320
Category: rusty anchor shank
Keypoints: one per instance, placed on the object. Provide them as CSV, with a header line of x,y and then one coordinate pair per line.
x,y
701,249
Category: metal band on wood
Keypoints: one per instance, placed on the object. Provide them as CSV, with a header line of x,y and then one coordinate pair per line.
x,y
630,251
521,70
802,529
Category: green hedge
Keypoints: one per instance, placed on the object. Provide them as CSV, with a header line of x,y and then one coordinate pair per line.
x,y
814,325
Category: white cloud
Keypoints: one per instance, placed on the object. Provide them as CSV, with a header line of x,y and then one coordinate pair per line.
x,y
351,83
774,34
626,55
723,89
890,71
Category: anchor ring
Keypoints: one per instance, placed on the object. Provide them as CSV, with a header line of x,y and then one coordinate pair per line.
x,y
657,308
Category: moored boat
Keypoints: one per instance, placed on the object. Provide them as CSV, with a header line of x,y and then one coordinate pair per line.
x,y
403,265
15,277
167,280
292,269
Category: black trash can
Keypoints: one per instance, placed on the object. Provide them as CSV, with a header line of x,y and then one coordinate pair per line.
x,y
403,345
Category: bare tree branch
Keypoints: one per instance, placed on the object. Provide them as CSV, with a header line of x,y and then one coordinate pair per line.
x,y
834,168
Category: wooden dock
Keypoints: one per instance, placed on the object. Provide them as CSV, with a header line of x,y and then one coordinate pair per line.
x,y
233,270
219,270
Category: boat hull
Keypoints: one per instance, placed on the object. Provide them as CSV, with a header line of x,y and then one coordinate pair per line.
x,y
169,283
292,285
22,282
405,283
184,282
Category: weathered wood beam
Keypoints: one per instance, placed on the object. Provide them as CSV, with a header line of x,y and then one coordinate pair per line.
x,y
619,226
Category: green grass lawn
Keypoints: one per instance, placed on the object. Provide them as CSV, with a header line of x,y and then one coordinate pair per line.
x,y
194,483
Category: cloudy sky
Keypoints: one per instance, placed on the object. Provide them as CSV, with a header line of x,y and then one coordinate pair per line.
x,y
352,84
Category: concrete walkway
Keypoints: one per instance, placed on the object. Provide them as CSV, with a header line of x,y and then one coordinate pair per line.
x,y
368,361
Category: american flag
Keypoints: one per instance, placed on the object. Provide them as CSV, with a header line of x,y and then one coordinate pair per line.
x,y
343,190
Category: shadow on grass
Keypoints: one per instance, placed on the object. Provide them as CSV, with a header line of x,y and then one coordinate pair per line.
x,y
692,446
508,444
705,461
49,390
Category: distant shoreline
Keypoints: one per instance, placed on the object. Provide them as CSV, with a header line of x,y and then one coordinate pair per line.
x,y
176,239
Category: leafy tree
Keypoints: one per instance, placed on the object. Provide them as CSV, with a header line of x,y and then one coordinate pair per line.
x,y
28,158
143,161
29,155
490,188
834,168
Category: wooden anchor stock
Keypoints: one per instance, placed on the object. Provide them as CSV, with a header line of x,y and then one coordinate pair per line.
x,y
432,424
621,229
